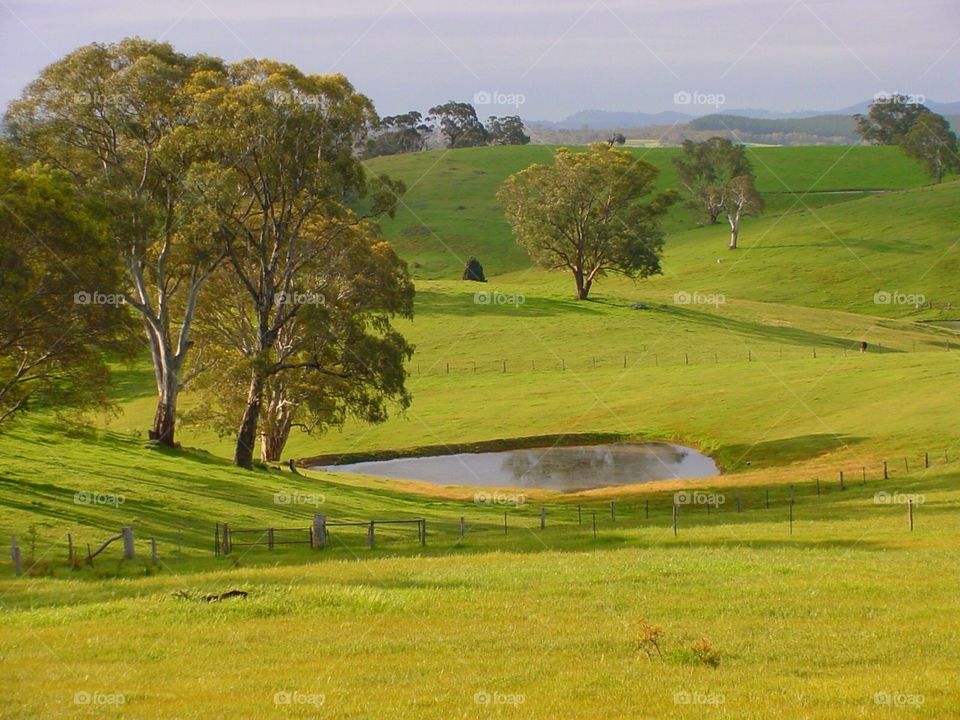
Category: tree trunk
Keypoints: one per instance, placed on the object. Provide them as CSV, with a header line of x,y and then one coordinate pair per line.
x,y
734,230
273,441
164,421
247,435
277,422
166,371
714,214
583,285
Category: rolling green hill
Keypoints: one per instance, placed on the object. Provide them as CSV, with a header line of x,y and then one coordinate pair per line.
x,y
807,589
450,211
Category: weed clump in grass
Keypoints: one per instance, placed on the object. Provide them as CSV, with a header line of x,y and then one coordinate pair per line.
x,y
648,637
705,653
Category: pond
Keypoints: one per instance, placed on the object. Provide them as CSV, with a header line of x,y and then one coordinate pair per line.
x,y
563,468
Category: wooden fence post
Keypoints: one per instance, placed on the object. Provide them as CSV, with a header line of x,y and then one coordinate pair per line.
x,y
153,551
842,486
818,487
463,528
319,536
910,513
269,538
504,522
543,518
594,524
791,516
579,515
613,511
69,548
226,539
646,509
863,470
128,549
886,475
423,532
15,556
370,533
676,512
738,502
926,459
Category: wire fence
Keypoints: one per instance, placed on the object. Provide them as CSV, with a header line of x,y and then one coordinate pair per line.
x,y
496,519
652,358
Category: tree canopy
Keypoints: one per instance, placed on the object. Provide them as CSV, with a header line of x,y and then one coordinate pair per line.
x,y
591,213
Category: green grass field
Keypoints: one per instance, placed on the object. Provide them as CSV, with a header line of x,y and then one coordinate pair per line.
x,y
845,614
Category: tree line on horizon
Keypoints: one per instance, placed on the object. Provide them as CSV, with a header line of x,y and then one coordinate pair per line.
x,y
451,124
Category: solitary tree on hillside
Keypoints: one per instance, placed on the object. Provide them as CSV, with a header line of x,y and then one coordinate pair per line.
x,y
589,213
932,142
888,119
706,169
738,199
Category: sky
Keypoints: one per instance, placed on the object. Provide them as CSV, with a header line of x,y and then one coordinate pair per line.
x,y
542,59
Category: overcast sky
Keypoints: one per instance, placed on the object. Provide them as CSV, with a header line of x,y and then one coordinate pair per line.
x,y
559,55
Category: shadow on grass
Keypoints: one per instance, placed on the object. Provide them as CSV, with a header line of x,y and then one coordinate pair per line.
x,y
759,331
484,299
786,451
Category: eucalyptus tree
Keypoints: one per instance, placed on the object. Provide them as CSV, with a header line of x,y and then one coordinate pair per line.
x,y
120,118
591,213
286,171
61,317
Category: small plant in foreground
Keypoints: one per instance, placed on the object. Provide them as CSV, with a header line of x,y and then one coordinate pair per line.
x,y
704,652
648,637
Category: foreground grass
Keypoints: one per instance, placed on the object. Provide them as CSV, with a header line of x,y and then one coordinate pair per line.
x,y
820,624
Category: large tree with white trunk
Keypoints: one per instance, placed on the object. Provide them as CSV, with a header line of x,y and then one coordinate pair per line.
x,y
120,119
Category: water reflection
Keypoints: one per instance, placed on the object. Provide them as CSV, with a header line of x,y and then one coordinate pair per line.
x,y
556,468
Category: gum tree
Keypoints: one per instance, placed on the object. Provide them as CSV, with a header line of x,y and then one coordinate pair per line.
x,y
119,118
591,213
59,315
286,167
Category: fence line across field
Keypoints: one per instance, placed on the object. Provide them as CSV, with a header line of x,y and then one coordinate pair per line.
x,y
646,359
503,517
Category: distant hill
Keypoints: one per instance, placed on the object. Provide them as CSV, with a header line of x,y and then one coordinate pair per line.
x,y
832,128
616,120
